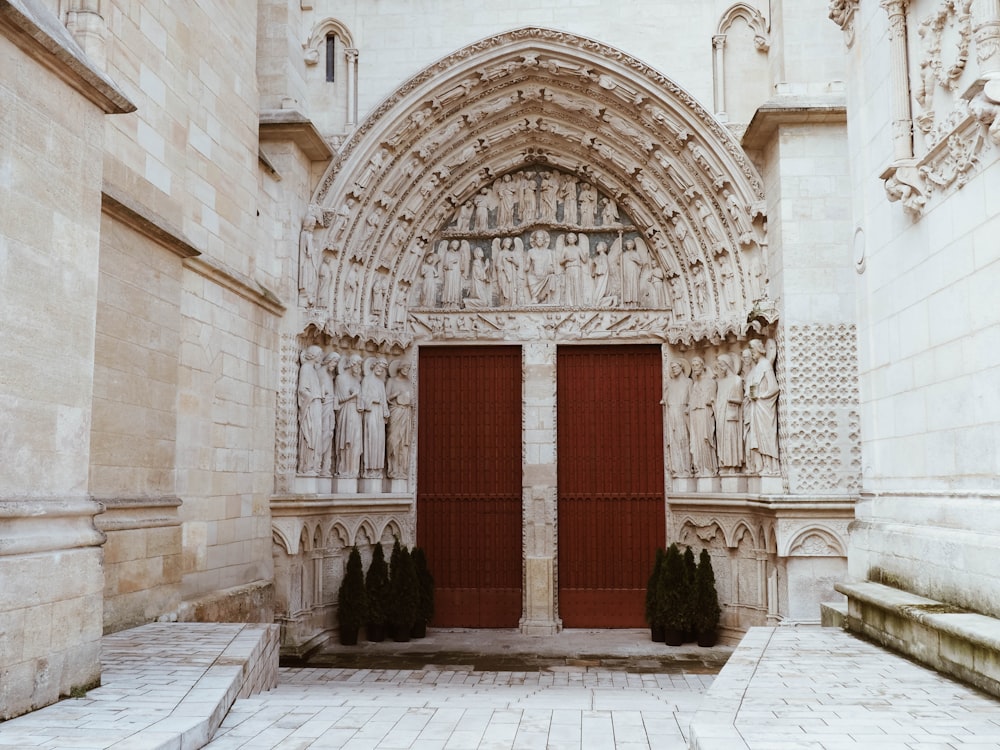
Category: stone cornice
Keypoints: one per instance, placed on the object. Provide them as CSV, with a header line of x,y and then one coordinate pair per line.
x,y
126,513
234,281
147,223
292,125
31,525
793,110
37,32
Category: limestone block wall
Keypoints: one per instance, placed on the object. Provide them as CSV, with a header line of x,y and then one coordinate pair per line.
x,y
52,107
926,171
395,41
190,413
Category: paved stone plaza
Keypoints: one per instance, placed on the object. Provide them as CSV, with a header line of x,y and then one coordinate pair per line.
x,y
183,686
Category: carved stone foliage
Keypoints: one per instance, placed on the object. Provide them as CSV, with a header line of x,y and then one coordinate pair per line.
x,y
286,432
842,13
554,172
956,112
821,429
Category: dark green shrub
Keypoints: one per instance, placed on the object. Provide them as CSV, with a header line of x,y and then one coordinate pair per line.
x,y
352,600
654,596
674,590
404,592
425,612
707,611
377,587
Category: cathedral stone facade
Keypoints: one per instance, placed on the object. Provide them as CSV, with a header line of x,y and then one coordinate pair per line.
x,y
539,288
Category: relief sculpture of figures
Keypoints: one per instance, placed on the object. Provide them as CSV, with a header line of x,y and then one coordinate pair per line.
x,y
761,416
347,390
310,402
375,410
506,193
588,205
600,269
454,261
728,413
702,419
508,256
541,271
632,264
676,398
573,256
399,395
327,374
547,192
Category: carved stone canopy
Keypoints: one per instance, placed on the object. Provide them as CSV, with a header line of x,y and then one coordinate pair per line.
x,y
637,158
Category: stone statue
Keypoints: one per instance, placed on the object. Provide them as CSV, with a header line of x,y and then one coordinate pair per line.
x,y
728,412
428,280
527,198
541,272
609,212
347,391
547,192
588,205
375,414
688,243
740,219
310,401
699,282
632,264
676,398
465,212
482,203
506,194
566,195
701,419
761,419
508,258
308,259
351,284
325,276
399,395
327,373
712,233
480,294
454,261
678,298
573,256
600,268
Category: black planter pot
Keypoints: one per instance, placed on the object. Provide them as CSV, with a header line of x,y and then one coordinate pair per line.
x,y
419,630
656,633
400,634
375,632
673,637
349,636
707,640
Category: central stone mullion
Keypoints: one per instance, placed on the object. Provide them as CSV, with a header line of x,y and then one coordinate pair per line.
x,y
539,487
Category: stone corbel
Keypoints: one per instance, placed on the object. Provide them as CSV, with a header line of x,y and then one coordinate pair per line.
x,y
842,13
904,183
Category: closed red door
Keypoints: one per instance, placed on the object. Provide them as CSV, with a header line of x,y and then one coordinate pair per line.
x,y
469,483
611,503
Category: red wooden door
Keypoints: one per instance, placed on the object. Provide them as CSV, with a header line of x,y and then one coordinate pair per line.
x,y
469,483
611,504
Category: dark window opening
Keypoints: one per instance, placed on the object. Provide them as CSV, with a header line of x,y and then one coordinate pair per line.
x,y
331,59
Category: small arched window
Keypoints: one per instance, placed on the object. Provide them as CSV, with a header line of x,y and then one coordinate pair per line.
x,y
331,57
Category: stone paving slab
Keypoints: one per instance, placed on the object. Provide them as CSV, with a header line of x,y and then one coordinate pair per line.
x,y
824,689
165,686
455,709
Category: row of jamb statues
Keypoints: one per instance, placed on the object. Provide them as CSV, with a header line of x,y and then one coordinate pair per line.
x,y
727,424
353,421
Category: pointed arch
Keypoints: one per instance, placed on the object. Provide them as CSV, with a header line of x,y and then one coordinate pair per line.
x,y
536,98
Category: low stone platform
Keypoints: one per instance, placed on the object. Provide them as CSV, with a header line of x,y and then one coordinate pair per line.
x,y
165,686
789,688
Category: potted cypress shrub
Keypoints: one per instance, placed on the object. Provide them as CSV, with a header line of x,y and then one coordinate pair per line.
x,y
404,593
674,590
690,576
654,599
707,611
352,601
426,582
377,589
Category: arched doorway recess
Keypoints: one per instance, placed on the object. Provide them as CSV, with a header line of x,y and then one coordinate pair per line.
x,y
538,189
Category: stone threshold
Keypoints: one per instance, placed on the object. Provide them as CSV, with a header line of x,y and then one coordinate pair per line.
x,y
963,644
164,686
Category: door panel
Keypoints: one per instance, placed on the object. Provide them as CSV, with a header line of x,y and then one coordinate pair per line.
x,y
469,482
611,503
